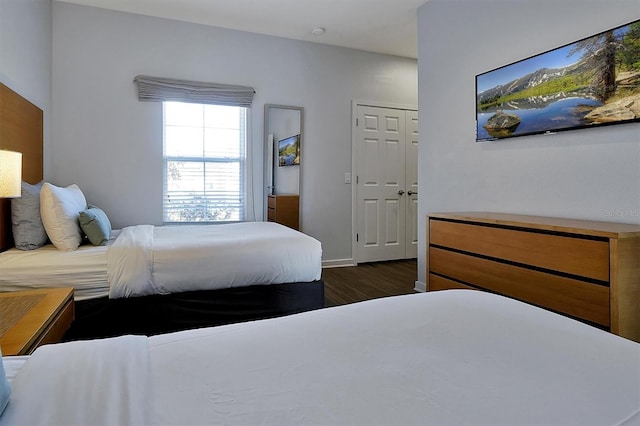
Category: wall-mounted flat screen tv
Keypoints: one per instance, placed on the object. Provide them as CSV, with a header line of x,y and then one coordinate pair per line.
x,y
289,151
592,82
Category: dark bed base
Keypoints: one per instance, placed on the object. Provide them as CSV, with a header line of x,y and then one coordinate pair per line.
x,y
148,315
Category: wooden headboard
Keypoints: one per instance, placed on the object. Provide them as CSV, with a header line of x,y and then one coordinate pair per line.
x,y
21,129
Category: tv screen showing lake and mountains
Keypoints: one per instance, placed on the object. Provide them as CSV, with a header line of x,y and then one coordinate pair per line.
x,y
592,82
289,151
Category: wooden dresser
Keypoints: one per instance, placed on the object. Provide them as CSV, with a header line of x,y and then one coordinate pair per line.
x,y
587,270
284,209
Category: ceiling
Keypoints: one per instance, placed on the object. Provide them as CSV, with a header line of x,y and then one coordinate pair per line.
x,y
382,26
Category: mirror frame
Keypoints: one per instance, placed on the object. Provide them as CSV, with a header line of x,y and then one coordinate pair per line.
x,y
267,189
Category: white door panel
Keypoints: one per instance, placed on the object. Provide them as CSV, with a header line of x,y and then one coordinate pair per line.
x,y
392,225
370,237
381,176
391,161
387,159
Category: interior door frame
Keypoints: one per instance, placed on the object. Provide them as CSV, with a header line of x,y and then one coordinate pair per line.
x,y
354,163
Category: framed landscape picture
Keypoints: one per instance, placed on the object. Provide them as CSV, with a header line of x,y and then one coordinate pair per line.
x,y
592,82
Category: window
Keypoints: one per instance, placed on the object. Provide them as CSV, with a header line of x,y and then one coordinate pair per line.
x,y
204,162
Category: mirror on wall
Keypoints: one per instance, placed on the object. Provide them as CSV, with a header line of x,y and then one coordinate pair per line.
x,y
283,136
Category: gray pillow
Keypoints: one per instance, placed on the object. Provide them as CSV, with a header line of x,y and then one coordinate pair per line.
x,y
95,224
28,230
5,390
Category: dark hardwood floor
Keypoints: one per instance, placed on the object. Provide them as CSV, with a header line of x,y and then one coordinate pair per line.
x,y
369,281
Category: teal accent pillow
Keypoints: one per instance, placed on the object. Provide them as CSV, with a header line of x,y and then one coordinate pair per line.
x,y
5,390
96,226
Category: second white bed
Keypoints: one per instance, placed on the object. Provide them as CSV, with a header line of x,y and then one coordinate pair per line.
x,y
169,259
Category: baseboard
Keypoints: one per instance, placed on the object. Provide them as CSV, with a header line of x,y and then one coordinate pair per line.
x,y
420,286
338,263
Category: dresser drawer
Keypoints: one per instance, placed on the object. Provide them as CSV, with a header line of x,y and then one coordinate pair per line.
x,y
576,298
284,209
436,282
271,202
570,255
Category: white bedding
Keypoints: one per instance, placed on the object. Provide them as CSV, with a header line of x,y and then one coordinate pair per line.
x,y
451,357
47,267
184,258
108,379
169,259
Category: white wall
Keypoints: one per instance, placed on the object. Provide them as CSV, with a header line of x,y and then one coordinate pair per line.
x,y
588,174
111,145
25,54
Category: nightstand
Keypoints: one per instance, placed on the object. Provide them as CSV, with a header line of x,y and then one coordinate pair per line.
x,y
32,318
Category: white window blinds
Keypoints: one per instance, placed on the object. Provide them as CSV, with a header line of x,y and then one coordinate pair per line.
x,y
204,163
157,89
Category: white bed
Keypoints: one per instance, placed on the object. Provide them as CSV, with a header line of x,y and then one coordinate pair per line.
x,y
48,267
450,357
142,260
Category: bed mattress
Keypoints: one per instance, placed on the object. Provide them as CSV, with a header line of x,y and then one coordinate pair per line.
x,y
450,357
169,259
84,269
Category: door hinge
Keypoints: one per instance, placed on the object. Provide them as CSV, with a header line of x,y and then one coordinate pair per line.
x,y
356,122
357,237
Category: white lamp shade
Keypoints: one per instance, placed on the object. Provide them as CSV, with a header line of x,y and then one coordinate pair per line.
x,y
10,174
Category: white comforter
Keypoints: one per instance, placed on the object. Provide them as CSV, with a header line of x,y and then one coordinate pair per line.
x,y
451,357
147,260
102,382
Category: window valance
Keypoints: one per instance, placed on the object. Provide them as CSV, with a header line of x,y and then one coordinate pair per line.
x,y
156,89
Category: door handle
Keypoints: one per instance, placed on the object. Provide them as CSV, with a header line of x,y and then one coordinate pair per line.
x,y
412,193
400,192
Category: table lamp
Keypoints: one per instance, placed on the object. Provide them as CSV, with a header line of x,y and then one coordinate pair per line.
x,y
10,174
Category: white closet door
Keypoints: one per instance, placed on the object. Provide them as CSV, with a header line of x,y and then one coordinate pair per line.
x,y
381,199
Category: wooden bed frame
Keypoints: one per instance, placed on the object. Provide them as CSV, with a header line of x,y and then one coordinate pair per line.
x,y
21,129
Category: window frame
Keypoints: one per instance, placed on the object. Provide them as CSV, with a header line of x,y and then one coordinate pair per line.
x,y
241,160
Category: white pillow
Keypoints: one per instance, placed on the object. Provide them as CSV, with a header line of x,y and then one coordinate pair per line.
x,y
60,209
